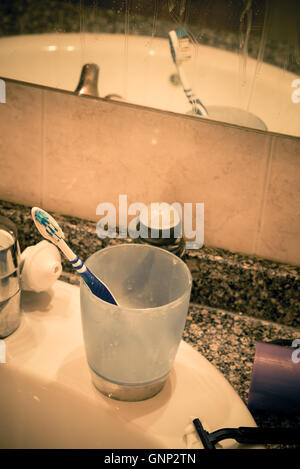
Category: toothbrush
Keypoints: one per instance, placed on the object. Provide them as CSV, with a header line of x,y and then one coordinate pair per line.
x,y
181,52
50,230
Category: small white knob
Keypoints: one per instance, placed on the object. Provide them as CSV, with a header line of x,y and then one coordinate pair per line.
x,y
41,266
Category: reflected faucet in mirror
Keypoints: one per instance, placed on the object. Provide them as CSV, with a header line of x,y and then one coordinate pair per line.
x,y
88,85
88,82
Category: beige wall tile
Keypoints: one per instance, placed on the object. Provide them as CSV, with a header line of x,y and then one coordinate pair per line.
x,y
224,167
20,144
279,238
69,154
96,150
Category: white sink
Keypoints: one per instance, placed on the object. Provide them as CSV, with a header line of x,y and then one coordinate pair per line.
x,y
47,399
139,69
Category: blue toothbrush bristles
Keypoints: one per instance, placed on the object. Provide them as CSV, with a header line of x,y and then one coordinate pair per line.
x,y
181,33
42,219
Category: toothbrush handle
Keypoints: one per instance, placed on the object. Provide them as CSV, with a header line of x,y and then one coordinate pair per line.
x,y
96,286
193,99
67,251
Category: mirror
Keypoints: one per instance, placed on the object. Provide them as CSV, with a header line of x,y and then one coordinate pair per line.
x,y
235,61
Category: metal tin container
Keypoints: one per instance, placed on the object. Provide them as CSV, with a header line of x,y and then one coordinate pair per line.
x,y
10,312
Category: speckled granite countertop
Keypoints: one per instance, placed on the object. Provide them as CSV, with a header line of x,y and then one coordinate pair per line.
x,y
224,334
221,279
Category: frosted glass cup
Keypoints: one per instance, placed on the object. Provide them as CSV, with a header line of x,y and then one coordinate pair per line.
x,y
131,348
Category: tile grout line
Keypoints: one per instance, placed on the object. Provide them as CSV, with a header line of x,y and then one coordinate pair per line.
x,y
264,193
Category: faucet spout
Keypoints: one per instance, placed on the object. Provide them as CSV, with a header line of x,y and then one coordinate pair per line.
x,y
88,82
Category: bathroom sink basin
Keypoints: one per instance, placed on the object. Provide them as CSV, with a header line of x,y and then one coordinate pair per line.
x,y
47,399
140,69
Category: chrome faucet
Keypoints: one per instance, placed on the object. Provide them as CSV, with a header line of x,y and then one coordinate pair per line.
x,y
10,288
88,82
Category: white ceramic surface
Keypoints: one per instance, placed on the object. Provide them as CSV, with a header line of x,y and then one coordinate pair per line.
x,y
47,399
139,69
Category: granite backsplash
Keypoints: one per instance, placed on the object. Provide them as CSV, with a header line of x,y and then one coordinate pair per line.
x,y
221,279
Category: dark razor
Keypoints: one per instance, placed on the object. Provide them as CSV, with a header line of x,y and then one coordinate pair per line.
x,y
248,435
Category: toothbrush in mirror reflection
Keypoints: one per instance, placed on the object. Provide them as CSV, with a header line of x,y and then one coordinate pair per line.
x,y
180,48
50,230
